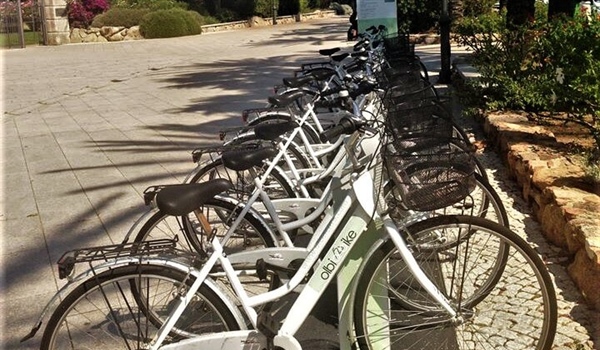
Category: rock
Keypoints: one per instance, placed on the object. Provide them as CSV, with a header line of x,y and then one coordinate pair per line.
x,y
256,21
116,37
565,204
107,32
586,274
134,33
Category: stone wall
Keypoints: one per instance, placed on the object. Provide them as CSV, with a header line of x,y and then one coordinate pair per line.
x,y
261,22
105,34
566,206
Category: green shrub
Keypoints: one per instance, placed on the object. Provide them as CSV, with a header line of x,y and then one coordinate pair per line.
x,y
150,4
264,8
120,17
477,7
544,67
227,15
170,23
206,19
416,16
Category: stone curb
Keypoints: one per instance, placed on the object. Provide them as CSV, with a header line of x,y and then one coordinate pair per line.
x,y
567,213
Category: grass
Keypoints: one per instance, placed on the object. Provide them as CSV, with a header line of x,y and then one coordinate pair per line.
x,y
12,39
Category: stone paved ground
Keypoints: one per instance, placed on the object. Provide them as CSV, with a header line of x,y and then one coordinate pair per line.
x,y
578,325
86,128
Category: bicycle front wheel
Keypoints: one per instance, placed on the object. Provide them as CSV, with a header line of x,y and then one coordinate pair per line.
x,y
499,287
108,312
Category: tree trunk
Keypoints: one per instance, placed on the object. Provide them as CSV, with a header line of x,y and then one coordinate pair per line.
x,y
519,12
565,7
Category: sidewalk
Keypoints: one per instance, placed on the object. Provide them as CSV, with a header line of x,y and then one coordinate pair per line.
x,y
86,128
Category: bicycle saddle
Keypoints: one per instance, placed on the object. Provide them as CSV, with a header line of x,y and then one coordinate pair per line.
x,y
285,100
328,52
272,131
182,199
246,159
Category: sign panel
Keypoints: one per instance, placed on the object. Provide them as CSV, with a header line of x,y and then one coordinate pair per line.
x,y
375,13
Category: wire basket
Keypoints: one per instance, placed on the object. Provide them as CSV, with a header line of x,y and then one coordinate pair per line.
x,y
403,93
429,175
419,117
397,45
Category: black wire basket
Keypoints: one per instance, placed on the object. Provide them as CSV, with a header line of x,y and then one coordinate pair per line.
x,y
419,117
397,45
407,92
429,174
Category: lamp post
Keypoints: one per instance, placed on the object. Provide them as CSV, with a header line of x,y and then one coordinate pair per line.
x,y
445,73
274,12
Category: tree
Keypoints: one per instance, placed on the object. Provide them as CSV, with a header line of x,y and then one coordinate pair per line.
x,y
519,12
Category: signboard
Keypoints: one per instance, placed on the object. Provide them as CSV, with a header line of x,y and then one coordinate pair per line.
x,y
377,12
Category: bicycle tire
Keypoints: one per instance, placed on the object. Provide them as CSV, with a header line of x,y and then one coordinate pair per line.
x,y
483,202
104,299
520,295
253,231
276,185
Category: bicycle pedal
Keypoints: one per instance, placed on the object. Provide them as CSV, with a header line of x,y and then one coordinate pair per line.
x,y
261,269
267,325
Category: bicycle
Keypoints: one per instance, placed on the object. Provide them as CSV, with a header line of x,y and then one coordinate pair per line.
x,y
359,237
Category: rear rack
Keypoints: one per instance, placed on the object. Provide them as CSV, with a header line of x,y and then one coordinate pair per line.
x,y
219,149
67,261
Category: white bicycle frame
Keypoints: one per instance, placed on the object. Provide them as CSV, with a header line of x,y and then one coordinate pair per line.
x,y
356,221
297,206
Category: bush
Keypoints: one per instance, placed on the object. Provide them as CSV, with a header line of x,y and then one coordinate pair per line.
x,y
81,12
150,4
264,8
476,8
341,9
417,16
120,17
206,19
170,23
543,67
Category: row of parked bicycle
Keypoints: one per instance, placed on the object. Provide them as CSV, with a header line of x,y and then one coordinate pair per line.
x,y
356,176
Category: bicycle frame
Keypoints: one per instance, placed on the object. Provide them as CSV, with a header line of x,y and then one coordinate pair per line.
x,y
356,218
296,206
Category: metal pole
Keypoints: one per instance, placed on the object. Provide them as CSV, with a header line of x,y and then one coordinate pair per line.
x,y
445,76
274,13
20,24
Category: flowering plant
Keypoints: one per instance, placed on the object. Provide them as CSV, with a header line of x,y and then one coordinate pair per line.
x,y
9,8
82,12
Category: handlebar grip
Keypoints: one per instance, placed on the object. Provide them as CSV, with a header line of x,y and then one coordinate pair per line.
x,y
345,126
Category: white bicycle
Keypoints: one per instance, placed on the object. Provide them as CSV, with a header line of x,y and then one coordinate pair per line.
x,y
447,282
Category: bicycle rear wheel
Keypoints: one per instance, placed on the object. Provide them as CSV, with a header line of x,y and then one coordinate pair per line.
x,y
106,312
252,232
504,300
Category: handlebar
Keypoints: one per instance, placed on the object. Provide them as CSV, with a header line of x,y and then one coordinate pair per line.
x,y
345,126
